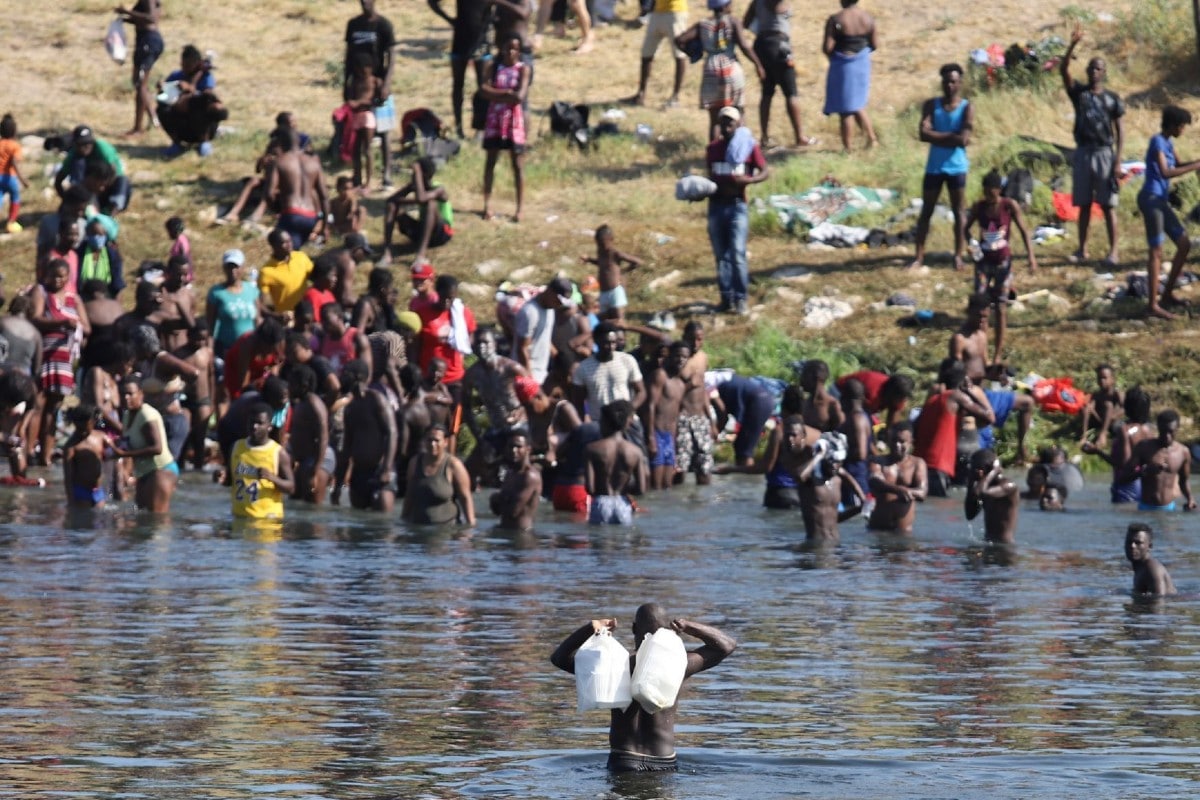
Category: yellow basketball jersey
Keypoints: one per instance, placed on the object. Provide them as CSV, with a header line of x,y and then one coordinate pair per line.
x,y
251,496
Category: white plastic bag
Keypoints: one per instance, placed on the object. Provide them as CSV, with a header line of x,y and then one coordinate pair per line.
x,y
115,42
602,673
659,670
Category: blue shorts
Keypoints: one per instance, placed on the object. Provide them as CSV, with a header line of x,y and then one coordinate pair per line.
x,y
147,47
613,298
665,442
1001,401
1147,507
298,226
9,185
1126,492
861,472
1160,219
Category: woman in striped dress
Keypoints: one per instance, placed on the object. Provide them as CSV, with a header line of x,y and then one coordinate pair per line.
x,y
60,316
723,82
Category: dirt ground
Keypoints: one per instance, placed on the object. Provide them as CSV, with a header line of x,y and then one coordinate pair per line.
x,y
274,55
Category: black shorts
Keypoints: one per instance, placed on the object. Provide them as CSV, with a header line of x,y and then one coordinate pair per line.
x,y
781,497
496,143
620,761
776,56
934,181
147,47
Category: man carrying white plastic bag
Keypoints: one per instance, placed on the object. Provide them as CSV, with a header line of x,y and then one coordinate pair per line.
x,y
641,735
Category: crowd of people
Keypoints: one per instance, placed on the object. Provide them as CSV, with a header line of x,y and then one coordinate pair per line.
x,y
557,386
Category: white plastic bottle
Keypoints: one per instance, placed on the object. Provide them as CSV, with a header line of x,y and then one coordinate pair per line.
x,y
659,670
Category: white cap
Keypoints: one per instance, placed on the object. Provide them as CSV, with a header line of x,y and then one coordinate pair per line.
x,y
233,257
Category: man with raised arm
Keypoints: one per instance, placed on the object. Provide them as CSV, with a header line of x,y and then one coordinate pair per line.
x,y
638,740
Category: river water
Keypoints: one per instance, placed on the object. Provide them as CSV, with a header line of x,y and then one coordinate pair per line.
x,y
349,657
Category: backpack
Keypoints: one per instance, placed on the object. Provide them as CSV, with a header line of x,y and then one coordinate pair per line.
x,y
1019,187
570,120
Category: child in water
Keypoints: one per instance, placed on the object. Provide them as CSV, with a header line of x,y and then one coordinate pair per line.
x,y
83,458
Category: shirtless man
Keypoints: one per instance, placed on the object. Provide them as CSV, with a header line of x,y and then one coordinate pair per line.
x,y
615,467
177,311
435,394
860,441
638,740
309,440
662,415
1125,436
820,476
369,448
517,501
1150,577
297,188
198,352
695,432
1164,465
899,482
413,420
821,410
969,345
989,491
494,378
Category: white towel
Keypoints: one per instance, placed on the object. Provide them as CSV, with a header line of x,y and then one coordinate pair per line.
x,y
460,337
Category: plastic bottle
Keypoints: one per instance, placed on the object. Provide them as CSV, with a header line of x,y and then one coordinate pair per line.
x,y
602,673
659,670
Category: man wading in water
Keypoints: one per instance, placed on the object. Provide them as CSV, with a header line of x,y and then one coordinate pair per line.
x,y
639,741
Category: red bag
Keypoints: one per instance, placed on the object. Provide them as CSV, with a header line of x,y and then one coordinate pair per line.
x,y
1059,396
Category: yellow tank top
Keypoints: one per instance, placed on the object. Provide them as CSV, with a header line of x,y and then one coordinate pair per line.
x,y
251,496
144,465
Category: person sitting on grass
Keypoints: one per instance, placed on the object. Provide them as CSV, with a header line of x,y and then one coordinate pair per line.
x,y
433,224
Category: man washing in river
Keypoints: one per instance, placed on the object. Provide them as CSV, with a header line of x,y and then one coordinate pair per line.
x,y
638,740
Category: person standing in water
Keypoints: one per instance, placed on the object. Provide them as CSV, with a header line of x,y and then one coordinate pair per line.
x,y
638,740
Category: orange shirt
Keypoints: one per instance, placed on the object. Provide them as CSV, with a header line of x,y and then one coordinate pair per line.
x,y
10,154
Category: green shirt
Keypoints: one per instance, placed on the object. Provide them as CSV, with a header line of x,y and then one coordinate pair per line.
x,y
102,151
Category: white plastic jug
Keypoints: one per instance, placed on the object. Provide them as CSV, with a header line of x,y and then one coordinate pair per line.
x,y
659,669
602,673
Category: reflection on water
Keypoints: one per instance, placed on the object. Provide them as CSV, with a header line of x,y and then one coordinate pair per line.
x,y
344,656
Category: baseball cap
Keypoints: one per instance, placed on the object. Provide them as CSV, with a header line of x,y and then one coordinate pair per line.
x,y
422,271
729,112
83,135
233,257
562,287
356,241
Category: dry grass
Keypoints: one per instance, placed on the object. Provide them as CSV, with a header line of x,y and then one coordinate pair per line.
x,y
276,55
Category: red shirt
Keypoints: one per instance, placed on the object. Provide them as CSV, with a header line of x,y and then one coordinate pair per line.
x,y
872,387
424,306
318,298
717,167
258,368
435,342
936,435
